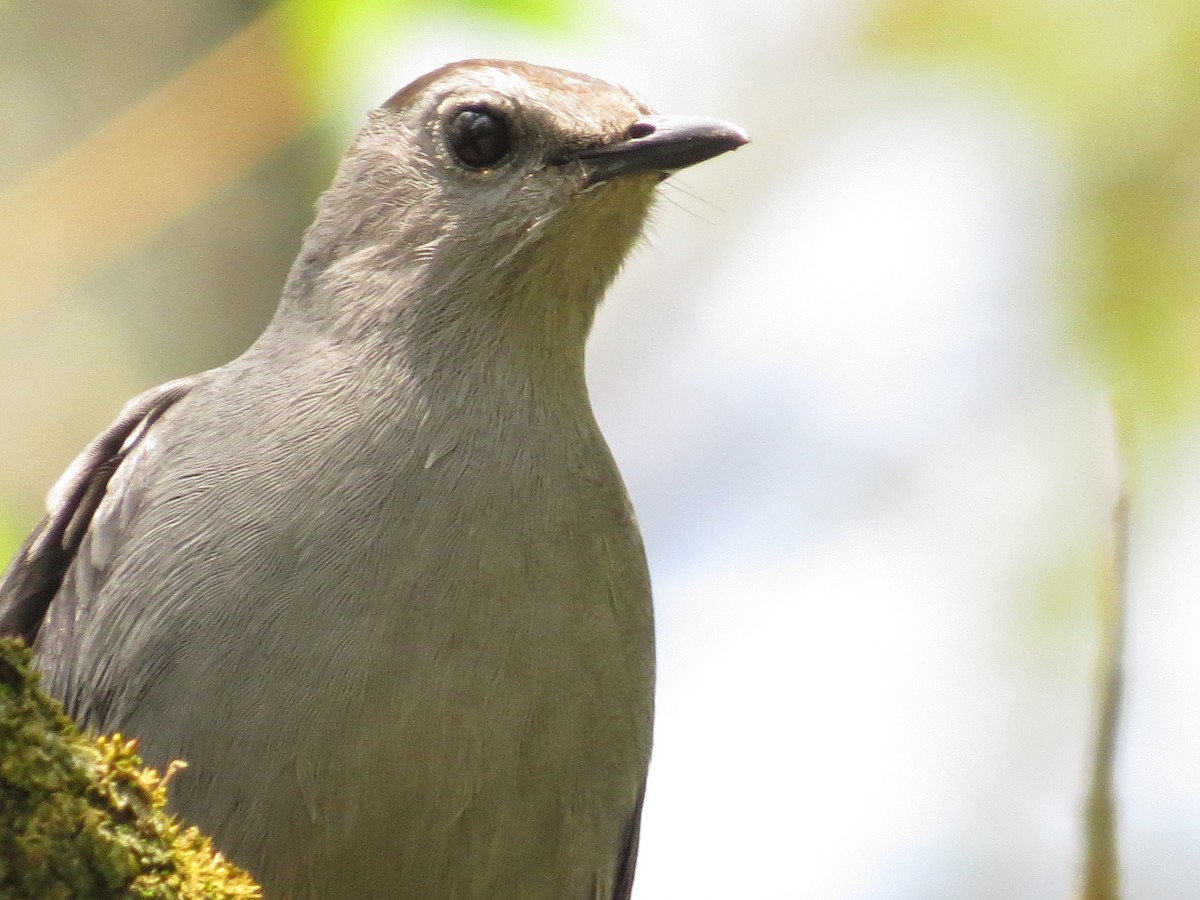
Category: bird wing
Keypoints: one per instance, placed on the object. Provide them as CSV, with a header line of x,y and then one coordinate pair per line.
x,y
35,575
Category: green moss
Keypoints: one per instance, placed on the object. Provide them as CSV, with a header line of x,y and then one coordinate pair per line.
x,y
81,818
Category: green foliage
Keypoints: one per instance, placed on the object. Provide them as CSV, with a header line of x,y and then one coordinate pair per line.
x,y
1117,80
330,40
81,818
547,14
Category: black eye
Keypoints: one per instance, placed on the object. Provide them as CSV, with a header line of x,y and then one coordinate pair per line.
x,y
478,137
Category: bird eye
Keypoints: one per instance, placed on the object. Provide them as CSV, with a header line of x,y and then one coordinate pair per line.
x,y
478,137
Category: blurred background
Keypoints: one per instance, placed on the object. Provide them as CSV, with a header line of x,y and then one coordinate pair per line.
x,y
856,380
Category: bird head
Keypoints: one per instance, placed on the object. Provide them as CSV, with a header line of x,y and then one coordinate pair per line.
x,y
488,194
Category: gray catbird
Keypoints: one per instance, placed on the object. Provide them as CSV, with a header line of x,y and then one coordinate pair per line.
x,y
377,580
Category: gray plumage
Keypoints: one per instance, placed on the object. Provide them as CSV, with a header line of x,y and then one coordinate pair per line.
x,y
378,580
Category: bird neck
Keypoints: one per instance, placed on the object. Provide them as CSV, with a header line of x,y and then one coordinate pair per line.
x,y
447,288
448,326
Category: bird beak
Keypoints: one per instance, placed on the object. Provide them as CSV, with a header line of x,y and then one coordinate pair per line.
x,y
663,144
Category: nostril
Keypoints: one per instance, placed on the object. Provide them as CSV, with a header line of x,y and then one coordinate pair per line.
x,y
640,130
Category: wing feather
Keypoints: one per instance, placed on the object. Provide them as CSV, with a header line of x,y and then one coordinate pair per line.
x,y
33,578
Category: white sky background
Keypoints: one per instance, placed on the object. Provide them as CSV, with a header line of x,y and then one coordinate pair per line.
x,y
841,388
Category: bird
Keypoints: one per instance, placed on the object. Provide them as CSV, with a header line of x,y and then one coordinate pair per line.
x,y
378,580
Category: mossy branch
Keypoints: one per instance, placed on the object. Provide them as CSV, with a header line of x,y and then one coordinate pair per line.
x,y
80,817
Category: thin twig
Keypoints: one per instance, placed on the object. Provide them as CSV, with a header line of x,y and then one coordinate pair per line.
x,y
1101,872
